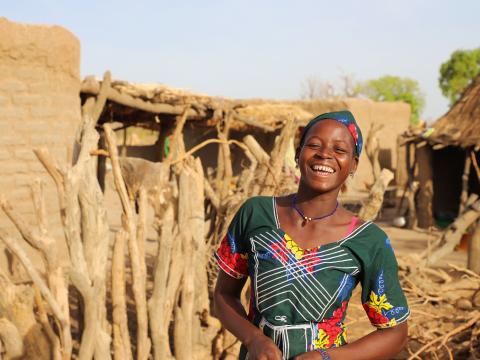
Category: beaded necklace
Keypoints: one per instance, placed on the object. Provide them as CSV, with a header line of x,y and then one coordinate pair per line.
x,y
306,218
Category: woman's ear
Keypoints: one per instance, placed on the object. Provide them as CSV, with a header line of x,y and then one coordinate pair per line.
x,y
354,165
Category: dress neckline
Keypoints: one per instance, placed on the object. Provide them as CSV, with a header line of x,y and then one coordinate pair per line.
x,y
352,231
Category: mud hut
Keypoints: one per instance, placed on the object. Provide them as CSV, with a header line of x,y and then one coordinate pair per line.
x,y
445,159
157,107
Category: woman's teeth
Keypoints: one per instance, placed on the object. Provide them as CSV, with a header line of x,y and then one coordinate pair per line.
x,y
323,168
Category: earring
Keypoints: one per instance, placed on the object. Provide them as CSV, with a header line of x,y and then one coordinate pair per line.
x,y
351,175
296,163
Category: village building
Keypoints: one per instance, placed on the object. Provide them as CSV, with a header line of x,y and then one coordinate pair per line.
x,y
444,160
41,96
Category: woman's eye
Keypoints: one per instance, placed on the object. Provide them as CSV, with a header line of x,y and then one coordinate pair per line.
x,y
313,146
340,150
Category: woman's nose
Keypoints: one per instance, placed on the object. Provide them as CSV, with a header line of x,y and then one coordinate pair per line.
x,y
323,153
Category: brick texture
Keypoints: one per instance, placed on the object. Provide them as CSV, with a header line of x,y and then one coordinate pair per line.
x,y
39,107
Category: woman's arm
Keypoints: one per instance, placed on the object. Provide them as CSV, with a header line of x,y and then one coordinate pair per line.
x,y
378,345
231,313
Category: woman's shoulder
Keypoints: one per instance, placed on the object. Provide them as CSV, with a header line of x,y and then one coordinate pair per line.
x,y
259,210
367,234
259,200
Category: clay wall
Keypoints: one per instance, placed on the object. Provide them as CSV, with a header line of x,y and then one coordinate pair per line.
x,y
39,107
394,116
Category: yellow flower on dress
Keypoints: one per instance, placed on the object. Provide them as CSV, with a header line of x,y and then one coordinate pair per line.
x,y
343,335
322,341
293,247
379,303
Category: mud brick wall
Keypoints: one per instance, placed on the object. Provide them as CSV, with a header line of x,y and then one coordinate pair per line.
x,y
39,107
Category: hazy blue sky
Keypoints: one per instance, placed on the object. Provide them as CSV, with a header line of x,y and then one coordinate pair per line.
x,y
262,48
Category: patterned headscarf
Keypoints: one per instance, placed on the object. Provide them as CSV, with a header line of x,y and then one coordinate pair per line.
x,y
344,117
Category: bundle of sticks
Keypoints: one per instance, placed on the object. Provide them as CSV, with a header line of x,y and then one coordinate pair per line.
x,y
445,304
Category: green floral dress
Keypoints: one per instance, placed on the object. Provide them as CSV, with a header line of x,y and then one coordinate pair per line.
x,y
299,297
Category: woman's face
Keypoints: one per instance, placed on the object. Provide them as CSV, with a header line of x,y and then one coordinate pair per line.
x,y
327,156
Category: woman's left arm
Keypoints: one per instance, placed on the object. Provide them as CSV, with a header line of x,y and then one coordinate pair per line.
x,y
379,344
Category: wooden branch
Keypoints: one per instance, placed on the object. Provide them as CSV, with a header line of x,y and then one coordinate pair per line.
x,y
183,332
465,177
42,243
255,148
102,97
117,174
121,336
141,227
252,122
33,273
37,192
11,339
177,144
475,164
443,339
227,172
42,315
205,143
57,174
372,148
138,281
90,332
247,176
454,233
136,103
370,209
48,249
211,195
159,310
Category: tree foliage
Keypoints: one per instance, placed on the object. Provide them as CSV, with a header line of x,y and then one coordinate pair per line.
x,y
394,88
458,71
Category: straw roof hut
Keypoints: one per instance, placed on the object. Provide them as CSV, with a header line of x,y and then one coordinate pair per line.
x,y
145,104
460,126
447,157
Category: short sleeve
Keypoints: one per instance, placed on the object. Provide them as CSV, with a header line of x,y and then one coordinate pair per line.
x,y
382,296
232,254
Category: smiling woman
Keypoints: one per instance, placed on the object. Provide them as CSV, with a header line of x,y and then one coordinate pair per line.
x,y
305,254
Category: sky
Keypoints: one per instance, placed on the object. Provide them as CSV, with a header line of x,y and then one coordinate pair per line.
x,y
263,48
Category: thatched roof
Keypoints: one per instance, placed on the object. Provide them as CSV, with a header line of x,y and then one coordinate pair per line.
x,y
460,126
144,104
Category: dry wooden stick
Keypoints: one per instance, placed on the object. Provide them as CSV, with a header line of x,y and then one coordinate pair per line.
x,y
121,337
139,281
210,193
159,304
102,96
42,315
56,274
56,173
141,227
11,339
33,273
177,145
205,143
136,103
475,164
443,339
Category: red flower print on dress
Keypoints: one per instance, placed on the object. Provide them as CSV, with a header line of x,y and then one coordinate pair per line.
x,y
331,330
234,264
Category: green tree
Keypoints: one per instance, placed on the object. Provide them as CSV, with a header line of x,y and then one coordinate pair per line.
x,y
394,88
458,71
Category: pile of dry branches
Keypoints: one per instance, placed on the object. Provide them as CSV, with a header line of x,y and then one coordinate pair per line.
x,y
445,304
